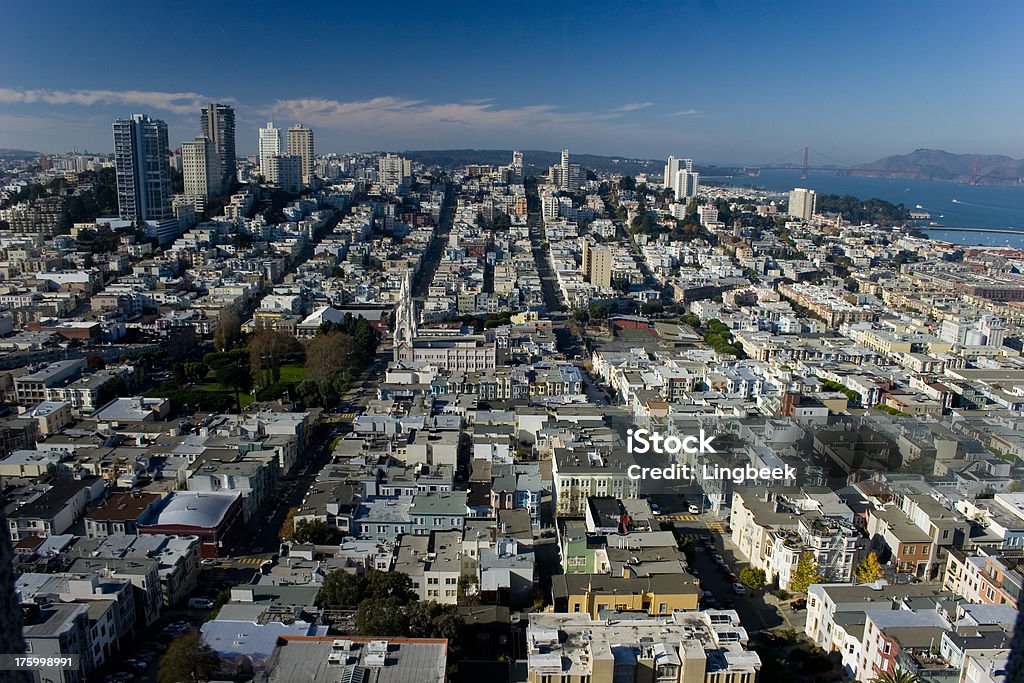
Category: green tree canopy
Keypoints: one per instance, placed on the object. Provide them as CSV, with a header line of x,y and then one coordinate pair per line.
x,y
753,578
389,585
340,589
869,570
806,574
187,660
314,531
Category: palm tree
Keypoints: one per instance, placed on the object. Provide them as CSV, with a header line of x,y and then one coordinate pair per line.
x,y
896,676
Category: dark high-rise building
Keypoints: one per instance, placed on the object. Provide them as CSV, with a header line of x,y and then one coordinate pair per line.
x,y
218,121
142,168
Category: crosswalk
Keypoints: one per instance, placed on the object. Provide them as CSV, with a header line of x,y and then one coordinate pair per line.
x,y
678,518
249,560
716,527
348,417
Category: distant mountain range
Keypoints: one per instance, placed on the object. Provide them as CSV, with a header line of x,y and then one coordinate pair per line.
x,y
936,164
18,154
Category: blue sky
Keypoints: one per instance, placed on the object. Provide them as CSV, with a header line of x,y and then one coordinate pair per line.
x,y
718,81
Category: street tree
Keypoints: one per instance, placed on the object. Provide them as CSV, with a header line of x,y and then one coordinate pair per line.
x,y
869,569
807,573
753,578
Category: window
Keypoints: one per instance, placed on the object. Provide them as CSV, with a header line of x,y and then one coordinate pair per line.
x,y
576,607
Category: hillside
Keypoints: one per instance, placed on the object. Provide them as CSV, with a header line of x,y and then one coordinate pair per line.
x,y
936,164
536,161
15,154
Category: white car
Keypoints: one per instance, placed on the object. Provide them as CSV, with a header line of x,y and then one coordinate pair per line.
x,y
209,562
693,509
738,589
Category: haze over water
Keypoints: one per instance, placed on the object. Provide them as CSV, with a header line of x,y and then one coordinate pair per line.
x,y
981,206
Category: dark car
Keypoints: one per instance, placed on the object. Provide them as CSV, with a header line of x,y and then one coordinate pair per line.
x,y
798,605
731,578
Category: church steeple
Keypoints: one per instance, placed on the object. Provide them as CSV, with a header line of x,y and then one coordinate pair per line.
x,y
405,321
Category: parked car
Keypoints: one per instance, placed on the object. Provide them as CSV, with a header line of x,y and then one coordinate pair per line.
x,y
209,562
731,578
719,559
709,597
798,605
175,629
693,509
200,603
655,508
738,589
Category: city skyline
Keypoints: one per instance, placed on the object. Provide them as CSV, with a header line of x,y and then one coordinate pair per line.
x,y
759,84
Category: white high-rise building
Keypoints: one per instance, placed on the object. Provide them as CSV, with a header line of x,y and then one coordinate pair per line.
x,y
671,169
300,144
515,171
802,203
394,171
687,182
270,146
565,176
285,171
201,167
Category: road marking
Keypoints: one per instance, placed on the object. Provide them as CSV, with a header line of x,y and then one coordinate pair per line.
x,y
249,560
717,527
678,518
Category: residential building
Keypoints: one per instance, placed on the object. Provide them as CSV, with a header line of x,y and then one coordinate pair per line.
x,y
686,183
433,562
595,594
802,203
121,513
701,647
140,164
218,125
270,146
327,659
284,171
394,172
300,144
201,168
